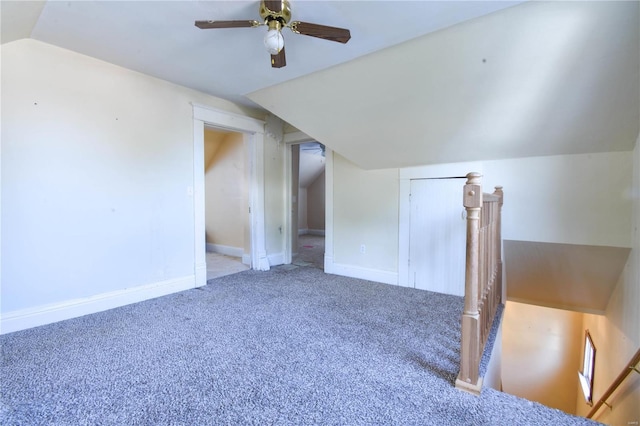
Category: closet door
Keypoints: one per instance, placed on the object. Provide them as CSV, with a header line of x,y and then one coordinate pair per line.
x,y
437,236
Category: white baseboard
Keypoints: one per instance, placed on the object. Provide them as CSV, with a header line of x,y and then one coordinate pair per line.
x,y
47,314
246,259
276,259
226,250
304,231
376,275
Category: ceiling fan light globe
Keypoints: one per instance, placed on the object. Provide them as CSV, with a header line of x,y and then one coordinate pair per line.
x,y
273,41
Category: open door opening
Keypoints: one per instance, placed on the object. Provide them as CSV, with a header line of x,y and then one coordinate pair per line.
x,y
253,136
308,197
227,219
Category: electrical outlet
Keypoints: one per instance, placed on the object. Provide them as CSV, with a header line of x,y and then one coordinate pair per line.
x,y
363,248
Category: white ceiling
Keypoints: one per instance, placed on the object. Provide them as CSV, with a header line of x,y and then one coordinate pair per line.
x,y
420,82
159,37
312,164
537,79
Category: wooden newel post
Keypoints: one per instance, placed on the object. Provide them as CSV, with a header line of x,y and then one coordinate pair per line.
x,y
468,379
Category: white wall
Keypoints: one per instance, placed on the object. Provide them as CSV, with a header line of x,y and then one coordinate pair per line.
x,y
365,212
575,199
616,335
311,198
302,209
97,166
316,194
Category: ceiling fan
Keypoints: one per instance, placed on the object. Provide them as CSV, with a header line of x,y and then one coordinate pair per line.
x,y
276,16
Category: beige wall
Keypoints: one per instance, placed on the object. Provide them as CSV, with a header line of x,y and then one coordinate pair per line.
x,y
303,223
541,354
616,335
365,212
226,189
316,203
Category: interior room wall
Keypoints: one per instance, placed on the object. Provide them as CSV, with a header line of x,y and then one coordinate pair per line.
x,y
316,204
97,167
365,209
572,199
575,199
311,190
616,335
541,350
226,189
303,202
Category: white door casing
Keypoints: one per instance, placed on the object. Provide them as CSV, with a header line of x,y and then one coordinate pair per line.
x,y
253,131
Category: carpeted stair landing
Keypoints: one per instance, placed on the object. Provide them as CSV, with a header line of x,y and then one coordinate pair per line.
x,y
288,346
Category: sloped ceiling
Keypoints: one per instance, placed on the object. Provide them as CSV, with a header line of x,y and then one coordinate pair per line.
x,y
159,38
420,82
541,78
565,276
311,167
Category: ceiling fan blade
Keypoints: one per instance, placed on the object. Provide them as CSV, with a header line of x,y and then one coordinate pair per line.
x,y
340,35
279,60
204,25
274,5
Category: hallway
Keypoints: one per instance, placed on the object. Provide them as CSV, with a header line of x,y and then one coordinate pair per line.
x,y
310,251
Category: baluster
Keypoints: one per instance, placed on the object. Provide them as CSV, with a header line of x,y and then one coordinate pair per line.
x,y
500,194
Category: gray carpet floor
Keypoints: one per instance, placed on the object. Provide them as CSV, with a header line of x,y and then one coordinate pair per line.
x,y
288,346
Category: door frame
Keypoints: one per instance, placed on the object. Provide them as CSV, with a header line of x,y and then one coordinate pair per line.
x,y
300,138
253,133
295,138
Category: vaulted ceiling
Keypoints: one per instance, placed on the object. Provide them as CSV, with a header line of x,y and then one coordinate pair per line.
x,y
420,82
541,78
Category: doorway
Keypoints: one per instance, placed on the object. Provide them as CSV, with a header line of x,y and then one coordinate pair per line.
x,y
227,220
253,134
307,207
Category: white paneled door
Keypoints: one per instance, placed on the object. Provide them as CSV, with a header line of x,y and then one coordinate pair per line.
x,y
437,236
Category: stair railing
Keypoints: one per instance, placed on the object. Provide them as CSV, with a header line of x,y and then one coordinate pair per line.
x,y
631,366
483,277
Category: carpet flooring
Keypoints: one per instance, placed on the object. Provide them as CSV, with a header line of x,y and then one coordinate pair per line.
x,y
283,347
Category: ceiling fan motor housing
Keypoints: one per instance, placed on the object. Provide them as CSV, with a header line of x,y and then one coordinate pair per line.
x,y
268,14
